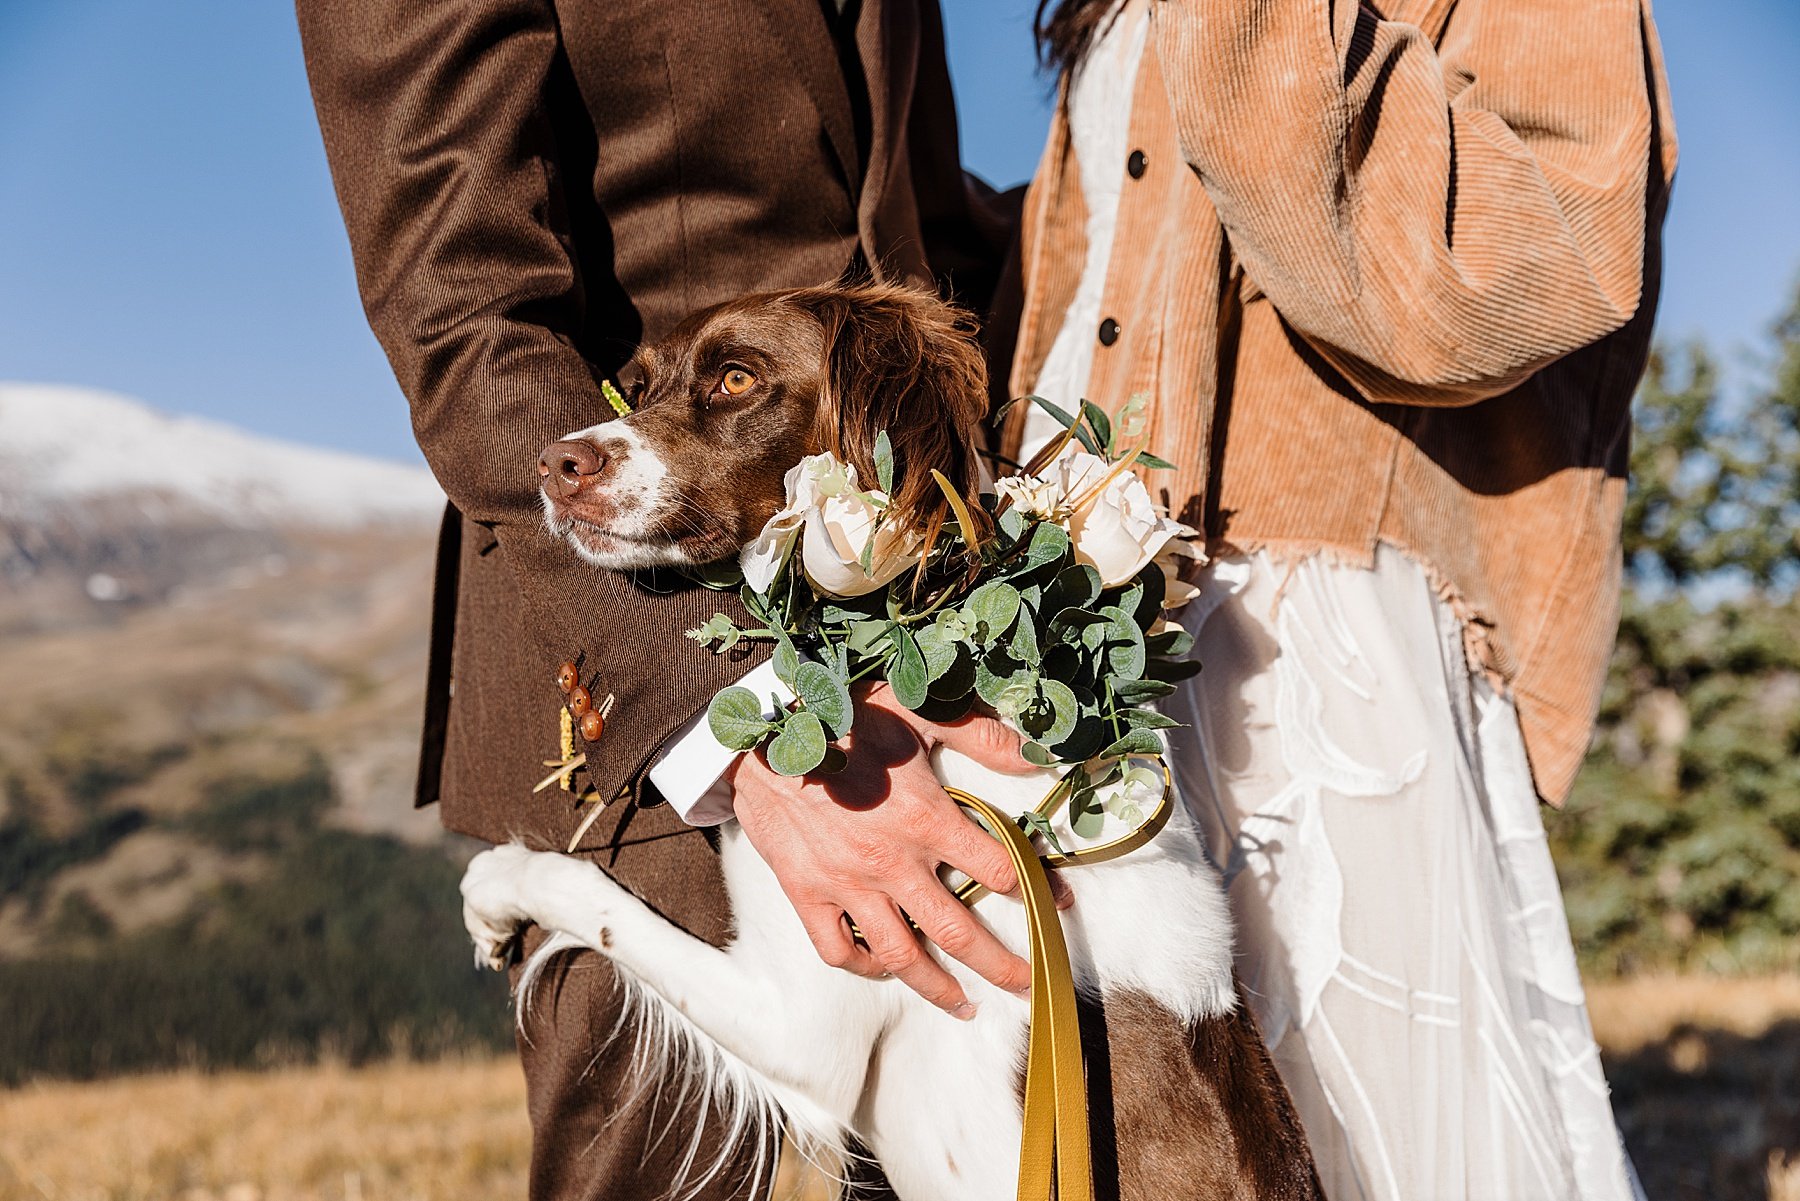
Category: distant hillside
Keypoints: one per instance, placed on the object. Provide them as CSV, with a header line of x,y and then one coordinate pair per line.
x,y
212,654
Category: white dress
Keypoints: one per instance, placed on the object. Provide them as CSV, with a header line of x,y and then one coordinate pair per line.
x,y
1401,932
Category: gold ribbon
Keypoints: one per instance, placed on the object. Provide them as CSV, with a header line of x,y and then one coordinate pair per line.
x,y
1054,1148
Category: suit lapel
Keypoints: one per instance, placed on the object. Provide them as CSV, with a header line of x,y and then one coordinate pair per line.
x,y
799,28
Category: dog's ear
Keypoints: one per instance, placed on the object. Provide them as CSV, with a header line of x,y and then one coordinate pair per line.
x,y
902,360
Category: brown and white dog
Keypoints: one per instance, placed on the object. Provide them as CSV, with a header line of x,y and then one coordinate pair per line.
x,y
1185,1097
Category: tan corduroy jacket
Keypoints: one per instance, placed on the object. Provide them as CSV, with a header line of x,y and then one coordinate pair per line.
x,y
1389,277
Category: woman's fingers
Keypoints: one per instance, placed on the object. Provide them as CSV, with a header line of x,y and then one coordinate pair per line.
x,y
897,949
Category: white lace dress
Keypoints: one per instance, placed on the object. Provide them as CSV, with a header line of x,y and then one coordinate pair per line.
x,y
1400,928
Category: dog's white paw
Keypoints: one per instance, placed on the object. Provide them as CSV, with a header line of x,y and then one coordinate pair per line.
x,y
493,891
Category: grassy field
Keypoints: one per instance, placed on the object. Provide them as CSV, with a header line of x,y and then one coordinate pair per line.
x,y
1703,1071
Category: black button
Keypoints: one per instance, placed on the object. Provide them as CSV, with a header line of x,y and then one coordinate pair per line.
x,y
1109,332
1137,164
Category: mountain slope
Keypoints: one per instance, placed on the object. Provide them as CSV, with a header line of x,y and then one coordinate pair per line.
x,y
66,450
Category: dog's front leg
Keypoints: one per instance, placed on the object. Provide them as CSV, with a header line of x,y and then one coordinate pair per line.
x,y
773,1015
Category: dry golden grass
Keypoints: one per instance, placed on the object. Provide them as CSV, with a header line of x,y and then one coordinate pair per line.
x,y
1703,1074
447,1131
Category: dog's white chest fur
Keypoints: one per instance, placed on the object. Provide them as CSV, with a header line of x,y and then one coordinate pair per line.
x,y
781,1037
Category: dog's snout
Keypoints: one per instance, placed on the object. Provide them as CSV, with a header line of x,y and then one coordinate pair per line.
x,y
571,465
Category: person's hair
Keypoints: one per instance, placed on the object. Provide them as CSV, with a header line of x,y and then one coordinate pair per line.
x,y
1066,28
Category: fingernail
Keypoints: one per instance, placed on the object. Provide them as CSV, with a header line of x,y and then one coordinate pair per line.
x,y
1023,992
963,1012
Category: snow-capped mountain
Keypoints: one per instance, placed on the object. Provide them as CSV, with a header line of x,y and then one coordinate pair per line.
x,y
67,450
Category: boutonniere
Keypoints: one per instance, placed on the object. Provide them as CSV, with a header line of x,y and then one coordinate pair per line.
x,y
577,712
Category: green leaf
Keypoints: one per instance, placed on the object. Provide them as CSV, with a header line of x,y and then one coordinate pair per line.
x,y
1149,591
1024,641
995,604
1076,586
866,636
1034,822
1049,544
1154,462
736,720
1086,816
957,680
1012,523
824,694
1173,670
884,463
787,658
1147,719
939,651
1132,692
1171,643
1124,644
1065,709
1037,753
800,746
1069,422
907,673
1136,742
1101,423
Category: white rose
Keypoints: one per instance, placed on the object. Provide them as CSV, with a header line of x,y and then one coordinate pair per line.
x,y
838,530
761,560
824,503
1172,558
1115,526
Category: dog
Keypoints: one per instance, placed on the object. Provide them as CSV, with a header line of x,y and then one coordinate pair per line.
x,y
1187,1100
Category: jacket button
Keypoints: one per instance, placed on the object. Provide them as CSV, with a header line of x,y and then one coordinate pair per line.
x,y
592,724
580,700
566,677
1137,164
1109,332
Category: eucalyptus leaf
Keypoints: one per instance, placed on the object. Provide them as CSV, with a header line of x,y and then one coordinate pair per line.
x,y
1049,544
1171,643
735,718
1075,586
1153,588
1147,719
1101,423
1069,422
1132,692
866,637
884,463
1065,709
995,604
1173,670
800,746
957,680
1125,652
939,652
824,694
1136,742
1088,822
1037,753
1012,523
1024,641
786,660
906,671
1154,462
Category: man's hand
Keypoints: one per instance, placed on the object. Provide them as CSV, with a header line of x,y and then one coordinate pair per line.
x,y
864,844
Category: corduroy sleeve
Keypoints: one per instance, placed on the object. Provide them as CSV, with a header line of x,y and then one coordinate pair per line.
x,y
1438,221
444,161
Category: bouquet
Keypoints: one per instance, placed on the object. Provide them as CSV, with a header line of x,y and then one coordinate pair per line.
x,y
1047,606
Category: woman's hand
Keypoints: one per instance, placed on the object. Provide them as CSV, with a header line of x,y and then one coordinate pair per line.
x,y
864,844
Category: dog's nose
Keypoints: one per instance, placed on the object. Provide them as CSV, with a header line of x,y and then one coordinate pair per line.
x,y
568,467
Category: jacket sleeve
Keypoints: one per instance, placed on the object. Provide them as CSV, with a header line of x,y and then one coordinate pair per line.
x,y
444,161
1438,221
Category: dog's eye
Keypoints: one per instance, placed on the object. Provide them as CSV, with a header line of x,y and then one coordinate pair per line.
x,y
736,381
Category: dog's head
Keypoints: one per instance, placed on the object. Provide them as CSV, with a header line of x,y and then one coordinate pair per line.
x,y
741,392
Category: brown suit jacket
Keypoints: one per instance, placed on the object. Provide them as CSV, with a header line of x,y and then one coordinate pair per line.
x,y
530,188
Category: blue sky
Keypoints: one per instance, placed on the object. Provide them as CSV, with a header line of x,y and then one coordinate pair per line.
x,y
167,227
